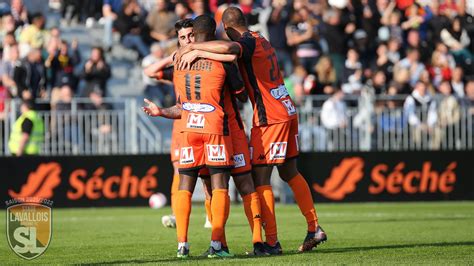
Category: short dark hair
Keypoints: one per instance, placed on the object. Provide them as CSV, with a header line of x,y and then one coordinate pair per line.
x,y
28,103
204,24
233,17
183,24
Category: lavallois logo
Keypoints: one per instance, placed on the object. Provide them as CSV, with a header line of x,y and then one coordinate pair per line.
x,y
343,179
29,223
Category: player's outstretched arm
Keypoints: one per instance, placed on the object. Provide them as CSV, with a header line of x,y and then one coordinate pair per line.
x,y
153,69
189,58
217,46
173,112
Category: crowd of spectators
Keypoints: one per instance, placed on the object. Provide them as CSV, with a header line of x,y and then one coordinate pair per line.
x,y
417,51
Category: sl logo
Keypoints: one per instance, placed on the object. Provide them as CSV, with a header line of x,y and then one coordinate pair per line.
x,y
29,229
343,179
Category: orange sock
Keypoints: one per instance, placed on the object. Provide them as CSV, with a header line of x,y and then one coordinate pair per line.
x,y
267,203
305,200
183,210
227,212
207,203
220,202
253,212
174,191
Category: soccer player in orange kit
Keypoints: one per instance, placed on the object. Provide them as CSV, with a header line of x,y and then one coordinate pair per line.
x,y
241,173
274,136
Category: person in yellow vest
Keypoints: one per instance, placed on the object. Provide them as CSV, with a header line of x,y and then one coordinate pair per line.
x,y
27,133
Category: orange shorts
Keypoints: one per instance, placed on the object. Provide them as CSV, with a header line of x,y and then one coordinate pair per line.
x,y
274,144
174,147
198,150
241,156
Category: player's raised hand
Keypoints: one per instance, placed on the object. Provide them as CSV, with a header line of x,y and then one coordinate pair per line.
x,y
182,51
188,59
151,109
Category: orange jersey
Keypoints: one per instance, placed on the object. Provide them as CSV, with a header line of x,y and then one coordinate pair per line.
x,y
259,67
201,91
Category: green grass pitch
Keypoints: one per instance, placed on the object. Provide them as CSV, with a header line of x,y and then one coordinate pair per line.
x,y
375,233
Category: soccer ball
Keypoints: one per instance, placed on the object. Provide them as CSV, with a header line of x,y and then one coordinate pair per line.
x,y
157,200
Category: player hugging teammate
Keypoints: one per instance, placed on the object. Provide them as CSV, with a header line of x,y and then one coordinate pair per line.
x,y
209,121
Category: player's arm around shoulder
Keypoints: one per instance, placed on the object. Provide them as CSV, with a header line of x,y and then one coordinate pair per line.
x,y
235,82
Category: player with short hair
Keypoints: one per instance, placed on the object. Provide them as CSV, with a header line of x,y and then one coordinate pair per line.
x,y
242,170
274,136
206,139
161,70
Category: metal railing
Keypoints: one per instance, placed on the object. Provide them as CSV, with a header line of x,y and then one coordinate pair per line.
x,y
385,130
125,129
122,129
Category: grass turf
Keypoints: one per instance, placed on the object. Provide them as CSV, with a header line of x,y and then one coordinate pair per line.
x,y
375,233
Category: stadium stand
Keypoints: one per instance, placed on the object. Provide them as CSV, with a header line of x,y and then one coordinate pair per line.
x,y
368,75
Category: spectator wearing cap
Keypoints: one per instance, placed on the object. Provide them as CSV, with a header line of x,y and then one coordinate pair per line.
x,y
96,72
162,92
161,22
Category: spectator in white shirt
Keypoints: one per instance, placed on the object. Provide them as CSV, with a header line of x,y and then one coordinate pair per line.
x,y
333,113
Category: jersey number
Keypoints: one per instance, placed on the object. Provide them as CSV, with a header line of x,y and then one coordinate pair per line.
x,y
274,71
197,86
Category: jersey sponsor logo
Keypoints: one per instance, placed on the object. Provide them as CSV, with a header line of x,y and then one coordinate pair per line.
x,y
289,106
239,160
278,150
186,156
195,121
216,153
279,92
198,107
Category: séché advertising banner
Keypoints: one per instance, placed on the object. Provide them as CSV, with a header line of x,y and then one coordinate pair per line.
x,y
389,176
94,181
87,181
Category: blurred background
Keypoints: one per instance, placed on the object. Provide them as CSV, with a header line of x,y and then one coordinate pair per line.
x,y
367,75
